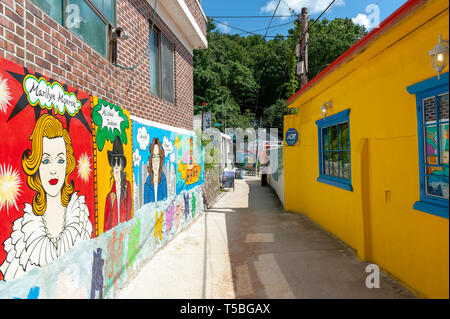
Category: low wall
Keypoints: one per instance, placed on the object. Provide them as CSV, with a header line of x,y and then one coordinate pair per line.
x,y
212,185
276,180
97,268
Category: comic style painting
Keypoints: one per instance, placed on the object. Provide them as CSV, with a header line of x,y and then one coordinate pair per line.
x,y
113,154
164,163
46,170
436,136
437,179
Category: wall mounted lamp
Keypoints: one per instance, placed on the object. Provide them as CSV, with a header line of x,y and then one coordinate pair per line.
x,y
119,34
439,56
324,108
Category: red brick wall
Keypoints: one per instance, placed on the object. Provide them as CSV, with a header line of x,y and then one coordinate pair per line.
x,y
31,38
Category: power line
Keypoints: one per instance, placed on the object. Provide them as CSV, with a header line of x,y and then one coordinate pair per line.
x,y
270,22
244,31
248,17
260,75
272,27
323,12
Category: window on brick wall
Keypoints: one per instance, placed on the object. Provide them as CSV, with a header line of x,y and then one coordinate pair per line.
x,y
433,132
54,8
91,20
161,66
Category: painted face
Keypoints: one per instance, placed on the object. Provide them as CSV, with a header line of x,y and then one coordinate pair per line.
x,y
117,167
52,170
155,159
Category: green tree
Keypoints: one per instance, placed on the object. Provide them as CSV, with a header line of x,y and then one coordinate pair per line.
x,y
239,78
328,39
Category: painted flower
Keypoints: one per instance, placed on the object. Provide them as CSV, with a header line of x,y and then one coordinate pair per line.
x,y
157,232
84,167
9,186
5,96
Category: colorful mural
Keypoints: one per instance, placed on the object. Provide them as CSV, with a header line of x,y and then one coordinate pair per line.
x,y
84,189
46,173
113,153
164,163
437,181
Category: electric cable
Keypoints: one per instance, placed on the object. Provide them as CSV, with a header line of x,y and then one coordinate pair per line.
x,y
242,30
270,22
148,46
272,27
260,75
247,17
323,12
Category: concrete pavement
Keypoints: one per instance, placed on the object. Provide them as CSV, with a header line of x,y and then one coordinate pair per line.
x,y
247,246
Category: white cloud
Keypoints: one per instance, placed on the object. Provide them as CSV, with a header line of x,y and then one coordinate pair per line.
x,y
223,27
136,157
314,6
362,19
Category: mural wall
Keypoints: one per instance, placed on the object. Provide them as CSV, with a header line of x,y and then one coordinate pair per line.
x,y
46,176
113,153
87,194
164,163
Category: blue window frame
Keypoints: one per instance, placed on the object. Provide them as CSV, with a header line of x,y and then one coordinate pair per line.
x,y
334,150
432,104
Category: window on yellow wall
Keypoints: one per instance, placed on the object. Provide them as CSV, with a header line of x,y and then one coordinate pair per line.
x,y
432,102
334,150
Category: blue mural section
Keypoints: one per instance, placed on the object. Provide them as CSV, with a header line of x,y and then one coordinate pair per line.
x,y
165,163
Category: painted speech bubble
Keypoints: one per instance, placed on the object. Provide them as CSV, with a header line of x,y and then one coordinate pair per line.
x,y
143,138
110,117
50,95
111,121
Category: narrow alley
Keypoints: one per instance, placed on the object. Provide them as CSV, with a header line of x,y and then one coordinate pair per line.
x,y
247,246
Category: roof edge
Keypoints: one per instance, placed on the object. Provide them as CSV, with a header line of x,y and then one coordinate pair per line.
x,y
384,26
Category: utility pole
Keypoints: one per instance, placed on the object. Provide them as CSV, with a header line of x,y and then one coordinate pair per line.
x,y
302,48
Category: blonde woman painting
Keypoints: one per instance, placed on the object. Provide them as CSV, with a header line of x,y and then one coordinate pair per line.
x,y
57,218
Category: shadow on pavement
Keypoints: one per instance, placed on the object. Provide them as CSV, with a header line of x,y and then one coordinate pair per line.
x,y
277,254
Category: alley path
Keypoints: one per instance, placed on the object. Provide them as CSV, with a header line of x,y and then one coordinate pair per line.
x,y
247,246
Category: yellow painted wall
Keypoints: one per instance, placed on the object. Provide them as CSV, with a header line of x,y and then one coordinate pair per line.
x,y
376,218
103,178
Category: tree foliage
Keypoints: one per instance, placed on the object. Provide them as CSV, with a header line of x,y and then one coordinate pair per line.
x,y
241,78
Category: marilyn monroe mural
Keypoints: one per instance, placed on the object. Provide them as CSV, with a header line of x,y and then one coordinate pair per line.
x,y
58,217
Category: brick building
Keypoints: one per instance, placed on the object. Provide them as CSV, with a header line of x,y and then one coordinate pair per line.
x,y
89,79
72,42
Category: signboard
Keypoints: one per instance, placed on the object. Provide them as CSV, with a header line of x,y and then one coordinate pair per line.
x,y
291,137
207,120
228,179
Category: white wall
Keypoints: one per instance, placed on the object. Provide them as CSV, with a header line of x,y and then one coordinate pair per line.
x,y
276,179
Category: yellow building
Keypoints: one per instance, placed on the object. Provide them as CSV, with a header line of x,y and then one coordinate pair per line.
x,y
373,171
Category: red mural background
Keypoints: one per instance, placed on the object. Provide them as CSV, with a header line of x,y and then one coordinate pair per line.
x,y
17,121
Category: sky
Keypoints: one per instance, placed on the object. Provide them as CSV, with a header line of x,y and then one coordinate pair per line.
x,y
365,12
